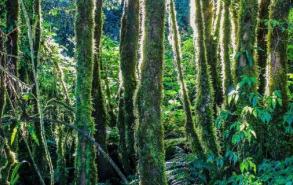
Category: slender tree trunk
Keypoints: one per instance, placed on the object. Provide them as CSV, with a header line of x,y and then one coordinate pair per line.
x,y
211,45
99,112
128,61
245,63
262,32
151,163
2,77
174,37
225,48
12,37
204,98
86,171
277,49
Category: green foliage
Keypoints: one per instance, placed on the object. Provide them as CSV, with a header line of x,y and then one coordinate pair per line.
x,y
186,169
276,172
173,115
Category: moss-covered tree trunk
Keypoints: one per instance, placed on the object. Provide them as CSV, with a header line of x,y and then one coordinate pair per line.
x,y
174,37
235,24
99,112
204,113
226,51
2,78
12,37
122,131
211,44
277,48
86,172
151,157
262,31
245,63
128,61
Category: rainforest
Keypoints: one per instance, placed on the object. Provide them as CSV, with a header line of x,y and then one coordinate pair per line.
x,y
146,92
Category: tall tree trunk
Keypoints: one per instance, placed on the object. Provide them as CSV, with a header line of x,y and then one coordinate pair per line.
x,y
174,37
262,31
245,63
128,61
225,48
211,45
12,37
86,171
2,77
99,112
277,48
204,98
151,163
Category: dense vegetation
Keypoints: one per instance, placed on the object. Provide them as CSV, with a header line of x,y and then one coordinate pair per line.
x,y
149,92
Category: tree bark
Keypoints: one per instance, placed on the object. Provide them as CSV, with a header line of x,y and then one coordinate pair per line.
x,y
151,163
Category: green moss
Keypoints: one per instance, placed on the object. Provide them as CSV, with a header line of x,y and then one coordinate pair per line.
x,y
277,48
128,62
204,113
151,163
86,172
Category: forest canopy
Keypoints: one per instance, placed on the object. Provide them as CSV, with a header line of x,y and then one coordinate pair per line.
x,y
146,92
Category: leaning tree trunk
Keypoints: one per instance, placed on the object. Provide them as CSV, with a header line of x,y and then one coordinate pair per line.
x,y
174,37
151,163
277,49
225,48
245,63
262,32
128,61
86,171
204,100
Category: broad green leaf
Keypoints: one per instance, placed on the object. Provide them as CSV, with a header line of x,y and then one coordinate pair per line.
x,y
13,135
